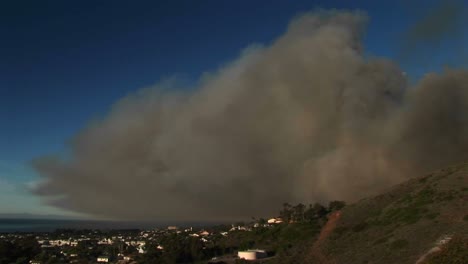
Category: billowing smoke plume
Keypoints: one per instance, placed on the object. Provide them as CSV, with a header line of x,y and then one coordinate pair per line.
x,y
307,119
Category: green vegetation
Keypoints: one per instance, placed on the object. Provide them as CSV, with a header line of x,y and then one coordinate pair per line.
x,y
336,205
19,251
301,213
413,207
402,224
288,241
177,249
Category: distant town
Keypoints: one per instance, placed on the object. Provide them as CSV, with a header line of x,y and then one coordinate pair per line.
x,y
173,244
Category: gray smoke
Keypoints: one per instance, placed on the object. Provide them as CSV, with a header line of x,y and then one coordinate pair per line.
x,y
308,118
440,27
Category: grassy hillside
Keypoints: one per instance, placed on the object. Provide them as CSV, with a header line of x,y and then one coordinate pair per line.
x,y
403,224
422,221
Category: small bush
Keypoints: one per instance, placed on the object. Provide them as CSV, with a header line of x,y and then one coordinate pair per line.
x,y
406,215
424,197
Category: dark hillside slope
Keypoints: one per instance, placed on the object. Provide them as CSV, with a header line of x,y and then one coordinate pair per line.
x,y
403,224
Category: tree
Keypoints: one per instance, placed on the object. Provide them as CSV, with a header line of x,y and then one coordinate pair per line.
x,y
20,251
336,205
262,221
298,212
315,212
286,213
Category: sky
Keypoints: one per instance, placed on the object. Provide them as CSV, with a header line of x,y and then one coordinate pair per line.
x,y
64,63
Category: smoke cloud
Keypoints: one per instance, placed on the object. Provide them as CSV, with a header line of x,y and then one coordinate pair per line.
x,y
440,28
308,118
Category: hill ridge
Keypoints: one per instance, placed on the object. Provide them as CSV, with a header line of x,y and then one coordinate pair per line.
x,y
402,224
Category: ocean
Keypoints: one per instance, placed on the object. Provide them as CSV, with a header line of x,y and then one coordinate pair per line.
x,y
49,225
9,225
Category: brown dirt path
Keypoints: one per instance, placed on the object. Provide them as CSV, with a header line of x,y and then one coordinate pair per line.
x,y
317,253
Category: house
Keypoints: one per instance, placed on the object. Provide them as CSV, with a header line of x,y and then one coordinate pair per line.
x,y
275,221
141,250
103,259
105,241
252,254
204,233
239,228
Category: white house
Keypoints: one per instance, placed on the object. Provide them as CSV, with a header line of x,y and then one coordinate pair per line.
x,y
252,254
103,259
141,250
275,221
204,233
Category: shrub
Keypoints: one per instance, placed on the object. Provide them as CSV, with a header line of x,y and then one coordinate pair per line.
x,y
407,215
424,197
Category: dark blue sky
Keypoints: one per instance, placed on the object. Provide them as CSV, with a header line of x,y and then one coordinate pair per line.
x,y
65,62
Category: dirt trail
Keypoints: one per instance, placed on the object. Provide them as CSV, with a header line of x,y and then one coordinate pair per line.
x,y
437,248
317,253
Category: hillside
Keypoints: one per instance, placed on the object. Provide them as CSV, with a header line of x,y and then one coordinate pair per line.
x,y
403,224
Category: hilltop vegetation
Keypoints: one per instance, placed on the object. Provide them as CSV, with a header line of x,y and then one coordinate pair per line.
x,y
287,241
401,225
